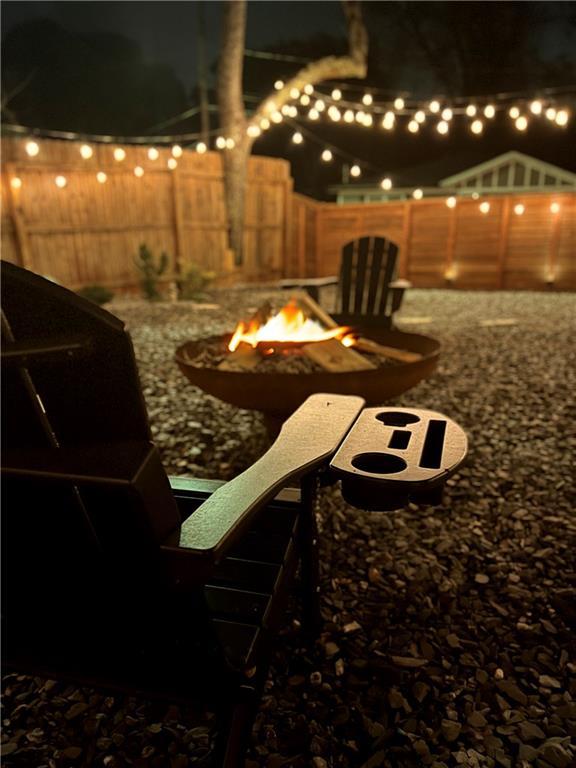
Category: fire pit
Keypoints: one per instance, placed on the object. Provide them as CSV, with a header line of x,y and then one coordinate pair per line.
x,y
248,368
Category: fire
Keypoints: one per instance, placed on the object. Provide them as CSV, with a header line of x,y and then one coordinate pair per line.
x,y
290,324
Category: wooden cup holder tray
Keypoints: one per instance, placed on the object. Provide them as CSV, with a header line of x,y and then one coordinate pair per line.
x,y
395,455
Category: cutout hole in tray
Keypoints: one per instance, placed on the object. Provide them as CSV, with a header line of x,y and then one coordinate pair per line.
x,y
433,448
400,439
397,418
379,463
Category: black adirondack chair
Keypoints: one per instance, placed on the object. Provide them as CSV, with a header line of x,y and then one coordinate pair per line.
x,y
115,574
367,293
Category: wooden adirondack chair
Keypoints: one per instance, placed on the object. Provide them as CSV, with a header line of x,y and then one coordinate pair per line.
x,y
367,293
115,574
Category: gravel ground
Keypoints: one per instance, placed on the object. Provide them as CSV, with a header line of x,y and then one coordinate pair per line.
x,y
448,631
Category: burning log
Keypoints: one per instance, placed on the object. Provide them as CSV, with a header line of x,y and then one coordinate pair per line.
x,y
333,356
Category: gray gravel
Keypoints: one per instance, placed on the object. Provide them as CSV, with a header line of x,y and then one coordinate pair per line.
x,y
448,634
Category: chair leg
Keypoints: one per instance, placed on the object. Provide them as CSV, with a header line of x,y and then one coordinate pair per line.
x,y
236,726
310,566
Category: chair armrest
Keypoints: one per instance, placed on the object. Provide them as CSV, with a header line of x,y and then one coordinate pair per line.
x,y
302,282
400,284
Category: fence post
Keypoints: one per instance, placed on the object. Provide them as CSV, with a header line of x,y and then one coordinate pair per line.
x,y
404,266
178,222
503,241
20,231
451,245
553,249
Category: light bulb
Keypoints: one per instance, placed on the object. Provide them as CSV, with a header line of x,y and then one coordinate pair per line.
x,y
293,111
489,111
201,147
562,117
294,93
230,143
336,94
285,109
388,121
386,183
308,89
521,123
477,126
355,171
536,107
360,116
297,138
153,154
253,131
550,113
326,156
417,194
305,100
443,127
276,117
139,171
334,114
399,103
172,163
119,154
471,110
519,209
447,114
349,116
264,123
434,106
484,207
16,182
554,207
177,150
101,177
32,148
270,106
413,126
451,202
514,113
367,99
313,114
220,142
368,120
319,105
475,195
420,116
279,84
86,151
60,181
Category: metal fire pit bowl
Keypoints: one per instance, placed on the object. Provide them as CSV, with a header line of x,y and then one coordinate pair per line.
x,y
278,395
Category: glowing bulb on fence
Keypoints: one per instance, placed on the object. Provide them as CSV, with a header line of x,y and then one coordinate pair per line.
x,y
386,183
443,127
399,103
519,209
477,126
420,116
349,116
294,93
32,148
201,147
471,110
139,171
554,207
413,126
308,89
484,207
60,181
536,107
417,194
86,151
336,94
305,100
521,123
326,156
172,163
550,113
319,105
297,138
119,154
101,177
220,142
451,202
514,113
388,121
367,99
230,143
16,182
153,154
447,114
434,106
177,150
279,84
313,114
562,117
355,171
475,195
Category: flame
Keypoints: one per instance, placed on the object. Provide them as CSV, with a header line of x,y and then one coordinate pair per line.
x,y
290,324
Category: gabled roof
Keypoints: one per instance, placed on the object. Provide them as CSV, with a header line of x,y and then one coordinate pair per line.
x,y
509,157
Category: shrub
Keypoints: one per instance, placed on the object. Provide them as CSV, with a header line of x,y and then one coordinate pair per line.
x,y
150,271
193,283
99,294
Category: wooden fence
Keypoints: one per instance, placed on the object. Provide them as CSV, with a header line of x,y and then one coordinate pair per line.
x,y
440,246
89,232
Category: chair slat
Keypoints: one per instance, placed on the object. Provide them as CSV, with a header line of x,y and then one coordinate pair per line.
x,y
363,252
377,255
346,276
389,267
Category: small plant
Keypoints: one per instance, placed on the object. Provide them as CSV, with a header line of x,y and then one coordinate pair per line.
x,y
150,271
99,294
194,282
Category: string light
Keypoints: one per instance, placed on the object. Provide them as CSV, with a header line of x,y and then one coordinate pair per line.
x,y
521,123
349,116
16,182
360,116
294,93
334,114
305,100
285,109
551,113
451,202
420,116
201,147
86,151
313,114
399,103
177,150
172,163
413,126
443,127
561,117
60,181
484,207
319,105
471,110
477,126
32,148
264,124
119,154
336,94
276,117
297,138
514,113
308,89
489,111
418,194
279,84
368,120
139,171
230,143
388,121
101,177
367,99
519,209
475,195
386,183
447,114
326,156
355,171
253,131
153,154
536,107
220,142
434,106
554,207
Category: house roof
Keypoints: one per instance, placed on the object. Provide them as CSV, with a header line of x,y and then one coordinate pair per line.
x,y
509,157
